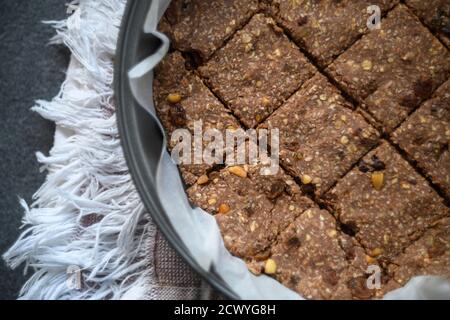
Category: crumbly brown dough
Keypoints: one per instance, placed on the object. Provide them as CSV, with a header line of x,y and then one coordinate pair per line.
x,y
315,259
430,255
320,137
425,136
197,103
393,69
385,203
258,207
257,70
325,28
202,26
435,14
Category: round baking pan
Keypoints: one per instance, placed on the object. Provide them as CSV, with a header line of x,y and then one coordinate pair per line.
x,y
141,134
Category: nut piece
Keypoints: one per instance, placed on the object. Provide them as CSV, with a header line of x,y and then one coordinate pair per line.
x,y
344,140
367,65
178,115
306,179
376,252
203,180
265,101
378,180
270,266
224,208
370,260
238,171
174,98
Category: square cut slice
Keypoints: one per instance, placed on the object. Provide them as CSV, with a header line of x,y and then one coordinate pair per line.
x,y
196,102
435,14
203,26
251,209
428,256
393,69
257,70
425,136
320,137
325,28
319,262
385,203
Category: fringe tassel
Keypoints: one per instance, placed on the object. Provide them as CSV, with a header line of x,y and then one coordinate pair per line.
x,y
87,216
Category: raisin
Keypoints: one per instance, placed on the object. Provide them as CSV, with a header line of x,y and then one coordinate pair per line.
x,y
446,31
377,164
276,189
423,87
358,287
178,115
348,249
302,21
363,167
350,228
294,242
294,280
330,276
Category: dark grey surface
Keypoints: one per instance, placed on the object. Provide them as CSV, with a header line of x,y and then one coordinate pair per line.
x,y
30,69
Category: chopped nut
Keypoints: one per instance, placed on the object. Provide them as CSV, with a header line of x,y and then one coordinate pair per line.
x,y
224,208
203,179
212,201
332,233
246,38
344,140
174,98
378,180
238,171
270,266
178,115
370,260
405,186
306,179
265,101
367,65
323,97
276,189
376,252
253,226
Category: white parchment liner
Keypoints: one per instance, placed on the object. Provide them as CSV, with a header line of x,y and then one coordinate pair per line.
x,y
199,230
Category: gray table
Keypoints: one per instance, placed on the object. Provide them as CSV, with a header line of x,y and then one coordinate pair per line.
x,y
30,69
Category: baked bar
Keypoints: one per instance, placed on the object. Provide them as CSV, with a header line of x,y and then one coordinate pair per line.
x,y
320,137
172,83
315,259
203,26
392,70
325,28
257,70
425,136
435,14
251,208
385,204
430,255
